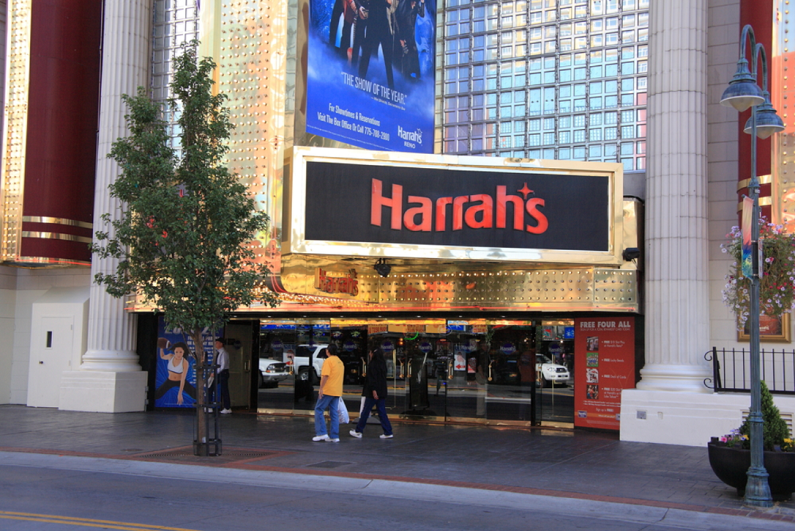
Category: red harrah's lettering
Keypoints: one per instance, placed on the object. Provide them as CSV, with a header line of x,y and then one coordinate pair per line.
x,y
478,211
337,284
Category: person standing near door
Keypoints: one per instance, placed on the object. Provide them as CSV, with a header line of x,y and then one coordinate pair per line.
x,y
223,375
328,395
375,393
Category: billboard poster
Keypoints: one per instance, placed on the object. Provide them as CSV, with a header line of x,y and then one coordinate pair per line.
x,y
175,377
604,361
370,73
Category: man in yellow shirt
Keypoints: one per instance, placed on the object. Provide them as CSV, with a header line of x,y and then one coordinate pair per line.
x,y
330,392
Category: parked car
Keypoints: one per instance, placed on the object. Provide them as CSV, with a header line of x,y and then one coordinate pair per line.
x,y
304,369
549,372
271,372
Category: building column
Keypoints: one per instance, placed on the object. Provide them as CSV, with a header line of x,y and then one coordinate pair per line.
x,y
110,378
677,294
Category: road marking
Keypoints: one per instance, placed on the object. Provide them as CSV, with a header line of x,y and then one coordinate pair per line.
x,y
87,522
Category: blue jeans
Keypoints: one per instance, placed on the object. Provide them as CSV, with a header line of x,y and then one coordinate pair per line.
x,y
330,403
380,404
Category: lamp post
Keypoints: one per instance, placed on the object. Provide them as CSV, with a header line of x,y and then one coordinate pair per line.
x,y
743,93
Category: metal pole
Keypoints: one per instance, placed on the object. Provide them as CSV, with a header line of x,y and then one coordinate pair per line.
x,y
757,490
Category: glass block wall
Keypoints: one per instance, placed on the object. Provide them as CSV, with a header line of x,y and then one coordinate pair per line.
x,y
550,79
174,23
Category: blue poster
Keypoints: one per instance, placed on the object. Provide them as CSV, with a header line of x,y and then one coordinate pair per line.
x,y
370,73
175,379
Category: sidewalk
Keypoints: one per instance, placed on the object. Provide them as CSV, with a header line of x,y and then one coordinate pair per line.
x,y
592,466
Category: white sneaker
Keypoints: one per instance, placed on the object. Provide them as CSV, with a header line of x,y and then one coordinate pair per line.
x,y
385,436
356,434
226,411
334,440
320,438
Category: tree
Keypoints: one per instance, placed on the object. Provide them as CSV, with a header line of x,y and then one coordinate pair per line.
x,y
183,238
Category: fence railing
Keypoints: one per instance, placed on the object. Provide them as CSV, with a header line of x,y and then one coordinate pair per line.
x,y
731,370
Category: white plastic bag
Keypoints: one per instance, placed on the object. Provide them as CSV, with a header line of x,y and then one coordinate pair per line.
x,y
343,411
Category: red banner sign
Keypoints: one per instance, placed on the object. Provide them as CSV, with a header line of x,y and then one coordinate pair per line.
x,y
604,361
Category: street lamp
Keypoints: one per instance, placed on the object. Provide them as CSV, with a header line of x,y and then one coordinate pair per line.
x,y
743,93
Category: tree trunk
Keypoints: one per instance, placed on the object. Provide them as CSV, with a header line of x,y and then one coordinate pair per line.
x,y
201,417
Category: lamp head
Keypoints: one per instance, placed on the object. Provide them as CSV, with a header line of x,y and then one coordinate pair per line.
x,y
767,121
742,92
630,253
382,268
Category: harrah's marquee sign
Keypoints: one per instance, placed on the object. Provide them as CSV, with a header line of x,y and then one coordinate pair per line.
x,y
344,206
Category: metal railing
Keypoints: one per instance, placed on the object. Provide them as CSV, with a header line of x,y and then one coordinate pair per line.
x,y
731,370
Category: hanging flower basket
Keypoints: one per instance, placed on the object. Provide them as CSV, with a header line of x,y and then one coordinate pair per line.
x,y
777,280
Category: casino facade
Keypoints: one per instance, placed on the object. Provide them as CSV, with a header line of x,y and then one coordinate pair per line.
x,y
521,202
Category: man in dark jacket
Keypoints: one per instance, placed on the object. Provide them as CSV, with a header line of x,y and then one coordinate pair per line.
x,y
375,390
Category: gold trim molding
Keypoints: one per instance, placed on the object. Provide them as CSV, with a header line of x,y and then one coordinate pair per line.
x,y
55,236
763,179
57,221
763,201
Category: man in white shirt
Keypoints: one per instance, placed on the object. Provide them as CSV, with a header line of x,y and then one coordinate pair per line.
x,y
223,375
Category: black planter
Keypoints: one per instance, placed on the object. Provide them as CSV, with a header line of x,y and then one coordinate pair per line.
x,y
730,464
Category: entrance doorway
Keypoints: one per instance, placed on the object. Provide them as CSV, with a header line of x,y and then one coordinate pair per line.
x,y
476,370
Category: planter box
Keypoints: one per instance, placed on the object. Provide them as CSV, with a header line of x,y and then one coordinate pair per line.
x,y
731,464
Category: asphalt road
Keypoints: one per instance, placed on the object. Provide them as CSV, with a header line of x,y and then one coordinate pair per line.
x,y
51,492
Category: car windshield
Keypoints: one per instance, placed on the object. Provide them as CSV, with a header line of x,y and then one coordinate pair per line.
x,y
542,359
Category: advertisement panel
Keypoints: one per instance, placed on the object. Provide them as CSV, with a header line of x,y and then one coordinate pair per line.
x,y
604,361
457,208
370,73
175,377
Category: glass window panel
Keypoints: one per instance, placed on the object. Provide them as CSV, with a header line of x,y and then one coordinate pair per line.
x,y
579,153
564,137
580,105
564,106
549,139
565,91
549,124
565,76
565,30
519,127
549,47
564,154
594,151
627,85
627,100
611,133
580,43
643,35
640,147
595,103
628,36
595,87
611,86
611,23
565,14
611,70
549,77
595,119
579,74
534,140
597,40
627,131
579,89
535,79
535,125
595,135
610,150
611,102
596,7
597,25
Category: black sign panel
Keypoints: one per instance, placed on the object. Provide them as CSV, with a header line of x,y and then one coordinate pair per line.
x,y
457,208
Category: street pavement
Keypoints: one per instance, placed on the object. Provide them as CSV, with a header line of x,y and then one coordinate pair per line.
x,y
580,472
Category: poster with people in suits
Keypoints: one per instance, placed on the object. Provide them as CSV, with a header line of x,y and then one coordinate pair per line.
x,y
370,73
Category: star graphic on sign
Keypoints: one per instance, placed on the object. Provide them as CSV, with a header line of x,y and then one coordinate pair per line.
x,y
524,190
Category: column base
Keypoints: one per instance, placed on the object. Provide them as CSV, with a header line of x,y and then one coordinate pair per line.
x,y
110,361
685,378
689,419
103,391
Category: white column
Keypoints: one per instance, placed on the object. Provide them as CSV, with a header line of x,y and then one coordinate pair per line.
x,y
110,378
677,296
